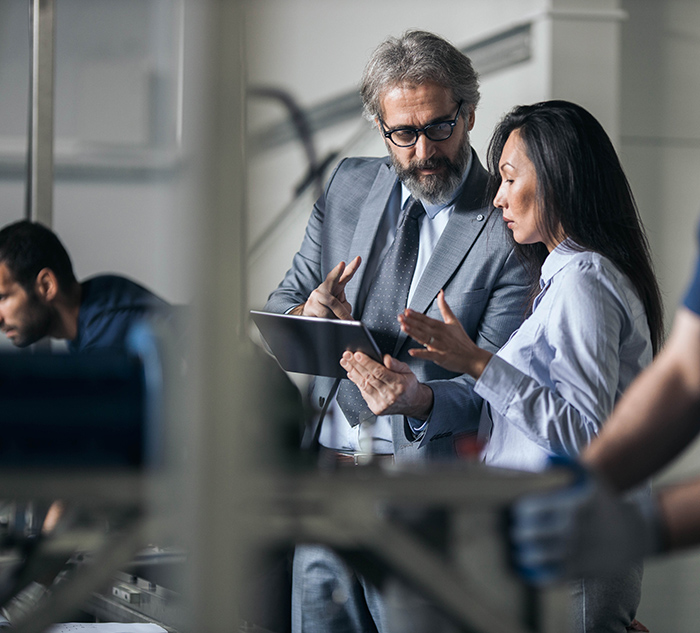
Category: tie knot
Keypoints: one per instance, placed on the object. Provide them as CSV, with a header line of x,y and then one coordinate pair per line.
x,y
414,208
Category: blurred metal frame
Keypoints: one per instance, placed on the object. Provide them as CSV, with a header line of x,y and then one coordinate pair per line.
x,y
40,155
352,510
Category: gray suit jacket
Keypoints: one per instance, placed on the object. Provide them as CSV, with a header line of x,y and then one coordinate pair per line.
x,y
473,262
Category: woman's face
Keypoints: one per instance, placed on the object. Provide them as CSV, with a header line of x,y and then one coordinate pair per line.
x,y
517,195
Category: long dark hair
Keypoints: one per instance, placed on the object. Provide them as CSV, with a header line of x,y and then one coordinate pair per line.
x,y
582,188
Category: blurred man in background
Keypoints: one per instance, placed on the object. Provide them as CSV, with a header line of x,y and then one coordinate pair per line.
x,y
40,296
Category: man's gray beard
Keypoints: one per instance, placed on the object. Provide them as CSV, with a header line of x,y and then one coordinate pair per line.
x,y
435,188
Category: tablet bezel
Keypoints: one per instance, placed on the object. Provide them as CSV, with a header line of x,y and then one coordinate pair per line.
x,y
313,345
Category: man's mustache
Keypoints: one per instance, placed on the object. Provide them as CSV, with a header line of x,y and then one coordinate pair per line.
x,y
431,163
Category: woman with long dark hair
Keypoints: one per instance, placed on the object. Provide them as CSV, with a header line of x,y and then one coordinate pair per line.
x,y
595,317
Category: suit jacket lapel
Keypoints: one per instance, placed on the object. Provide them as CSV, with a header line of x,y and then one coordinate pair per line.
x,y
466,224
367,225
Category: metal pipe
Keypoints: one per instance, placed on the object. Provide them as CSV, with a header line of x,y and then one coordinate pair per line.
x,y
40,159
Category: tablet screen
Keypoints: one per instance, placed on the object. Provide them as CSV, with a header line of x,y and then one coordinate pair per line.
x,y
311,345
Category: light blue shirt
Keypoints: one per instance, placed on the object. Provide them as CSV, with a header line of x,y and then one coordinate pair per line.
x,y
549,389
336,431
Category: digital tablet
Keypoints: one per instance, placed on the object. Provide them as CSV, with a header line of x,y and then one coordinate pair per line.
x,y
310,345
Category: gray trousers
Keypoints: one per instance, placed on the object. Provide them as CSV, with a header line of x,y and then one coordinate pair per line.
x,y
329,597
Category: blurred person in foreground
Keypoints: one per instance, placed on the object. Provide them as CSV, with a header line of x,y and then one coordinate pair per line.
x,y
595,321
589,528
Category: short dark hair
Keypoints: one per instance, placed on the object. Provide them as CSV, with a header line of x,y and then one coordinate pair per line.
x,y
418,57
581,187
28,247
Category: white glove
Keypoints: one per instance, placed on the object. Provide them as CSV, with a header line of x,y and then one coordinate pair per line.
x,y
582,530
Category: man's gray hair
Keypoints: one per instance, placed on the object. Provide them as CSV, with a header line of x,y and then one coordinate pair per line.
x,y
415,58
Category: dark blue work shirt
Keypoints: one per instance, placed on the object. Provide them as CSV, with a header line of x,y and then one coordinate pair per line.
x,y
109,306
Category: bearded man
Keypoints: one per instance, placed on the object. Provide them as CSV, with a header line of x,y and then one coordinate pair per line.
x,y
390,233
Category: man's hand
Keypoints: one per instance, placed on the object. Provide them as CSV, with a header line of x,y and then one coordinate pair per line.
x,y
388,388
328,300
583,530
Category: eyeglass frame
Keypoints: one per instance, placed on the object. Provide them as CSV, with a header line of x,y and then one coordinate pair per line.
x,y
422,130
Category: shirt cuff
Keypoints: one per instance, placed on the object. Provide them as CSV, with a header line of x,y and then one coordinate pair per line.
x,y
417,428
499,384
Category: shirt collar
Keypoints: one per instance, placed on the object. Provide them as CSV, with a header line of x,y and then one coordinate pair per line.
x,y
557,259
432,210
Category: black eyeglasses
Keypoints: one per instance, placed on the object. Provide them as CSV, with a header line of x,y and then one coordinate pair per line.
x,y
408,136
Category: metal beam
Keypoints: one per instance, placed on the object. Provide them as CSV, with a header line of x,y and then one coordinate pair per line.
x,y
40,177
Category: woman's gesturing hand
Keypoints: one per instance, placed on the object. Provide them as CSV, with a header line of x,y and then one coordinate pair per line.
x,y
445,343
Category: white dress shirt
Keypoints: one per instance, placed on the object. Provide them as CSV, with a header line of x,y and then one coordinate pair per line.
x,y
549,389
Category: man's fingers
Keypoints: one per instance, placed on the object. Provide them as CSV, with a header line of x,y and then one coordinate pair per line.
x,y
339,309
349,271
334,275
364,371
329,297
323,304
328,300
341,274
353,366
360,362
392,364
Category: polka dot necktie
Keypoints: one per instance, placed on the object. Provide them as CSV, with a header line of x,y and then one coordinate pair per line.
x,y
387,297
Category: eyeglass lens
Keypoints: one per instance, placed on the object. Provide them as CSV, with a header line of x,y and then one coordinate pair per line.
x,y
408,136
435,132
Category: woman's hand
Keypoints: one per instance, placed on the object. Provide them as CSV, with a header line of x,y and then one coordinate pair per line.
x,y
446,344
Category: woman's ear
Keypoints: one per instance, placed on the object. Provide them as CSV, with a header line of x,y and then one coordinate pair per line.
x,y
46,285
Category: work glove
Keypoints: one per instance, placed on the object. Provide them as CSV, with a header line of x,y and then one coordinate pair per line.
x,y
583,530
